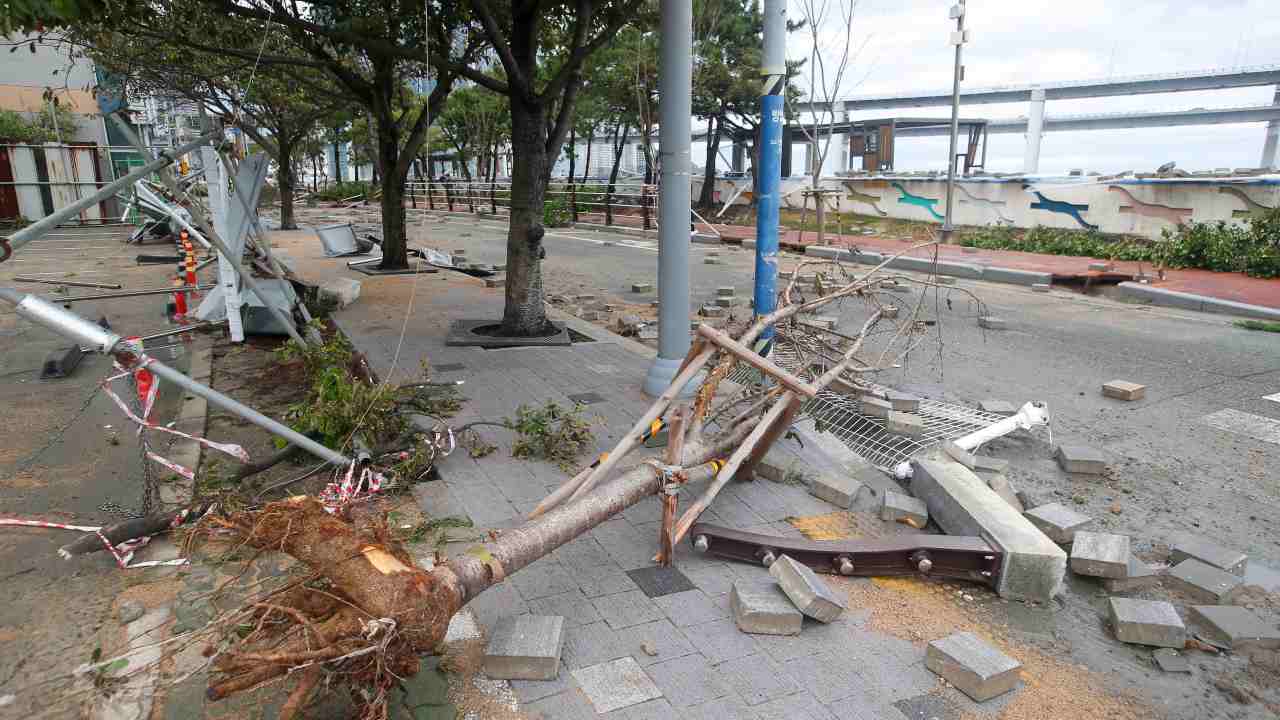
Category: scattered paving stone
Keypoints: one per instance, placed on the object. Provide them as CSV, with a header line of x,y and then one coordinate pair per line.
x,y
654,304
1100,554
997,407
763,608
903,402
525,647
929,706
1138,576
1170,660
641,287
1040,287
1124,390
826,322
1081,459
584,298
1201,582
1147,622
647,333
807,591
905,424
992,323
1058,521
889,312
725,292
1209,553
711,260
1235,627
589,314
944,280
984,463
895,506
875,407
616,684
724,302
129,611
713,311
838,489
972,666
495,282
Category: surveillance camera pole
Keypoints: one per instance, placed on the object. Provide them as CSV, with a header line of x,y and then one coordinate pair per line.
x,y
958,39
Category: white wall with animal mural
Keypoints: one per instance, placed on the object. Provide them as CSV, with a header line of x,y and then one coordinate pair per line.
x,y
1129,205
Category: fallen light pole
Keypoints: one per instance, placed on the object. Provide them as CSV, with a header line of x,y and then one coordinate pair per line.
x,y
99,339
132,293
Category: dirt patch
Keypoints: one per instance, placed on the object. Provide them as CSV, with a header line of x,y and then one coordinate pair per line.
x,y
921,610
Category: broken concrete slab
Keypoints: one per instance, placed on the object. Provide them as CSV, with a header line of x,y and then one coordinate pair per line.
x,y
1124,390
525,647
1234,627
972,666
713,311
991,322
1000,484
1147,622
1100,554
807,591
889,312
875,407
839,490
763,608
711,260
1081,459
897,506
1138,576
905,424
903,402
984,463
1201,582
1058,521
1170,660
1209,553
642,287
726,291
997,407
1032,566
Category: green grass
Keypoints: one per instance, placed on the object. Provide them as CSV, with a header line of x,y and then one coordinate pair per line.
x,y
1261,325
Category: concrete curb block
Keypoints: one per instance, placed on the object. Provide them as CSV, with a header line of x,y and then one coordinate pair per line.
x,y
954,269
1191,301
1016,277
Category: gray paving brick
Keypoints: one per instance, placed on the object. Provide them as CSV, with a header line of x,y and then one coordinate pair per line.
x,y
1146,622
1236,627
804,706
1081,459
485,504
589,645
1100,554
528,691
735,512
525,647
810,593
663,640
615,684
688,680
762,497
764,609
976,668
606,580
573,606
625,544
1209,553
567,705
827,676
725,708
690,608
658,709
1058,521
497,602
1202,583
720,640
544,578
757,678
713,579
626,609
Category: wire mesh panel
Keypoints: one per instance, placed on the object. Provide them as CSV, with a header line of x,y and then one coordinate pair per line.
x,y
839,414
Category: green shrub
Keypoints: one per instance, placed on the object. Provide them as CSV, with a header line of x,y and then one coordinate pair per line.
x,y
551,433
1253,249
555,213
1059,241
343,190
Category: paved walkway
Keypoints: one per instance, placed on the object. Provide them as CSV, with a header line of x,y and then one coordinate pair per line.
x,y
686,642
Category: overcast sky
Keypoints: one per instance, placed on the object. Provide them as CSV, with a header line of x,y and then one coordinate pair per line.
x,y
1031,41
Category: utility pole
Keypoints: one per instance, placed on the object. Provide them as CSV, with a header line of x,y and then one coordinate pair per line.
x,y
774,70
675,85
958,39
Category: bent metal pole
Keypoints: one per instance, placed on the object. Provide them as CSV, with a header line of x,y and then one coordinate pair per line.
x,y
44,225
90,334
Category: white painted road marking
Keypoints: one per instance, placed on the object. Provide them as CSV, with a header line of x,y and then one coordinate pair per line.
x,y
1243,423
1273,398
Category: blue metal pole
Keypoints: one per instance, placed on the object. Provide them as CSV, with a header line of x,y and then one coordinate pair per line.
x,y
774,70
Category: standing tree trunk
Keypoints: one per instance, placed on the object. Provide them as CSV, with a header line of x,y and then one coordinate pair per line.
x,y
395,254
586,164
618,148
708,197
524,314
284,181
573,188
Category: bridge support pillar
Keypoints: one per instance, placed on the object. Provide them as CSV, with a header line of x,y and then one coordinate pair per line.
x,y
1272,142
1035,129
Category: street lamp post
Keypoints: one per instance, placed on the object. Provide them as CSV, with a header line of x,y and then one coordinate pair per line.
x,y
958,39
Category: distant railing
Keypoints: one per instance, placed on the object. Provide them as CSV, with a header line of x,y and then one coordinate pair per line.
x,y
619,204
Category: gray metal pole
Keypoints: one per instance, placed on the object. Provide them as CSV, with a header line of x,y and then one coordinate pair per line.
x,y
49,222
68,324
1272,140
675,85
1035,131
957,38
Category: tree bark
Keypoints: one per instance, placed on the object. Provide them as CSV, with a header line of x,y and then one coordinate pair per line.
x,y
586,164
618,149
394,242
284,182
708,197
524,314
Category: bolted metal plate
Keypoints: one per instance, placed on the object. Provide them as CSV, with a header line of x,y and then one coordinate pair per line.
x,y
586,398
657,581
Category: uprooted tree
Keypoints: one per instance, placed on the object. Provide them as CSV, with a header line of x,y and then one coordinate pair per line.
x,y
370,611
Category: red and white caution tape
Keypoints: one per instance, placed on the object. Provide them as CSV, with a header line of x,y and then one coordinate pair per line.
x,y
351,488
